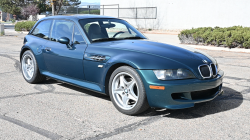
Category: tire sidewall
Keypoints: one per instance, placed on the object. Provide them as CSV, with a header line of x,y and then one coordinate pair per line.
x,y
138,108
35,66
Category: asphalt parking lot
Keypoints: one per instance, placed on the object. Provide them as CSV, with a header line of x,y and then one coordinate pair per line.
x,y
54,110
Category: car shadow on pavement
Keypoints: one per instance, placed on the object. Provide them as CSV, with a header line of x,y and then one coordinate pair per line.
x,y
85,91
49,81
231,99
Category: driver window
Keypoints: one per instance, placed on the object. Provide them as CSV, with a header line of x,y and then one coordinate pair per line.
x,y
62,28
42,30
78,39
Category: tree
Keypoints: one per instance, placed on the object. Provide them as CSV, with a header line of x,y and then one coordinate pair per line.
x,y
31,9
11,6
57,4
43,5
14,6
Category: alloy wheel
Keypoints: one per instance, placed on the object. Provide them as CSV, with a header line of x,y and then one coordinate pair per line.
x,y
28,67
125,90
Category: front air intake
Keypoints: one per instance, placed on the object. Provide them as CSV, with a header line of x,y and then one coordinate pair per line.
x,y
214,69
205,71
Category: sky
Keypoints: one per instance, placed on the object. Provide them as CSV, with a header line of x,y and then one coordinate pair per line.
x,y
91,1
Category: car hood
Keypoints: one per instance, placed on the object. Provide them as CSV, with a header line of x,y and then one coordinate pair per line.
x,y
180,53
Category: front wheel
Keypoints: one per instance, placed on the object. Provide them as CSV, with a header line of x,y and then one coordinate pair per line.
x,y
127,91
30,69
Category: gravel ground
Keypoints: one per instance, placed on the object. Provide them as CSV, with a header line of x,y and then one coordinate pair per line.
x,y
54,110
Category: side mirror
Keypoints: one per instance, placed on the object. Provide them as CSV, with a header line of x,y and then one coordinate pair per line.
x,y
64,40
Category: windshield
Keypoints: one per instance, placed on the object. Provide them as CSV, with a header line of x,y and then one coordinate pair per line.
x,y
109,29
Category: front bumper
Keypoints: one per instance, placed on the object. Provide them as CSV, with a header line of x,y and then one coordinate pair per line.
x,y
179,94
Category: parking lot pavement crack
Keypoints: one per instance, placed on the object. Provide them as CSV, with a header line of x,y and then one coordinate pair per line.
x,y
50,89
234,97
124,129
224,64
43,132
246,91
42,91
7,72
20,95
236,78
17,64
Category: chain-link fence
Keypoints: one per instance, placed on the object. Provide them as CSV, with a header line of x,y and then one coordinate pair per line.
x,y
88,9
112,10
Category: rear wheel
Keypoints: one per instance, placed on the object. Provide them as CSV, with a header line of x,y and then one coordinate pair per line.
x,y
30,69
127,91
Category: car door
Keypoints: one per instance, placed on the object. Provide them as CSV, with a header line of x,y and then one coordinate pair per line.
x,y
37,38
61,59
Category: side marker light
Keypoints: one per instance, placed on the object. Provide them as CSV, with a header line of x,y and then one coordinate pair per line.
x,y
157,87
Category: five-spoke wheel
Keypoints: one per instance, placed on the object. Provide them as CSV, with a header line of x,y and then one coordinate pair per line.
x,y
27,67
127,91
30,69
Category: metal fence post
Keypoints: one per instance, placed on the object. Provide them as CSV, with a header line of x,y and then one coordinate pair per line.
x,y
1,29
103,10
118,10
136,13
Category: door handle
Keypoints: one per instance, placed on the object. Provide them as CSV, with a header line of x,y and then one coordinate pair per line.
x,y
47,49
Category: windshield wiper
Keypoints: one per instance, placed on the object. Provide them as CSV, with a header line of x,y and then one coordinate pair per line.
x,y
104,39
136,37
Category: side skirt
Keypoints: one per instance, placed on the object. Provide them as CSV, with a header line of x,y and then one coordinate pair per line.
x,y
74,82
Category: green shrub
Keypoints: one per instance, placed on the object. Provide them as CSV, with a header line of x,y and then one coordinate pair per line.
x,y
237,36
246,44
230,36
24,26
1,33
12,20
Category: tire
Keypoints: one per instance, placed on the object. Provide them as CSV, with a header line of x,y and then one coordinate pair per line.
x,y
30,68
128,96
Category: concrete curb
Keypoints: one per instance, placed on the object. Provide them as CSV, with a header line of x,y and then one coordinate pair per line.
x,y
220,48
13,31
22,32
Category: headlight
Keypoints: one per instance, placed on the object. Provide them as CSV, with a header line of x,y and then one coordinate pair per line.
x,y
170,74
217,66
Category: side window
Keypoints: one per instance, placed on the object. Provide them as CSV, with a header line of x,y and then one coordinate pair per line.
x,y
42,30
62,28
78,39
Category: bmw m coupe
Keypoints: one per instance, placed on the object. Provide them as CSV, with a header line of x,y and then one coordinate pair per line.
x,y
109,56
